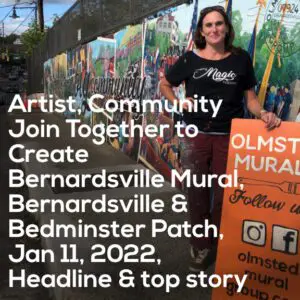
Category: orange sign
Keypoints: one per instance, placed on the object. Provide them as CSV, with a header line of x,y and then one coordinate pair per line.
x,y
261,218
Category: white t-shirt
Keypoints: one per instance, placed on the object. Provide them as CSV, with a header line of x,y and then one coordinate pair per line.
x,y
298,118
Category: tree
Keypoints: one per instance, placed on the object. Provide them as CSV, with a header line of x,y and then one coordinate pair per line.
x,y
32,37
9,39
163,42
241,39
237,21
55,18
286,72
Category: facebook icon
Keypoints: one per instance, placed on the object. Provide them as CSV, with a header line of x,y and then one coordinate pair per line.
x,y
288,238
285,240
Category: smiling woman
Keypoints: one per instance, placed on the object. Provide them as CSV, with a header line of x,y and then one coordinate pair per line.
x,y
216,70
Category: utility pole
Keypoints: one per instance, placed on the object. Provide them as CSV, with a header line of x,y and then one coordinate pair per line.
x,y
36,15
3,34
40,10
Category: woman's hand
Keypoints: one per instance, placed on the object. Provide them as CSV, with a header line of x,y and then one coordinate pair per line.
x,y
270,119
254,107
186,106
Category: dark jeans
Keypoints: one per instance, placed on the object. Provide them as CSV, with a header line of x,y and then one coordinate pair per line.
x,y
205,154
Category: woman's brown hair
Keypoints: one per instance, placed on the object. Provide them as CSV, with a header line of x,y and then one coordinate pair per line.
x,y
199,40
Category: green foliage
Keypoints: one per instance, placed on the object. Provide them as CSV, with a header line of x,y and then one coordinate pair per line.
x,y
10,39
31,37
240,40
181,37
99,69
163,42
288,70
237,22
55,18
136,54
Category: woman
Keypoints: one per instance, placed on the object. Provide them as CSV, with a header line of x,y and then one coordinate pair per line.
x,y
216,70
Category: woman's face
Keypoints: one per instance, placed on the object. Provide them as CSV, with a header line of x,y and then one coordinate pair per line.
x,y
214,28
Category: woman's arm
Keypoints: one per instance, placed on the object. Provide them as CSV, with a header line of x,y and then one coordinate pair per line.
x,y
254,107
167,91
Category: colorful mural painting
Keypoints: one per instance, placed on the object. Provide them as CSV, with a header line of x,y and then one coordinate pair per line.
x,y
129,51
128,74
101,65
60,75
55,74
78,79
101,54
132,63
48,78
165,41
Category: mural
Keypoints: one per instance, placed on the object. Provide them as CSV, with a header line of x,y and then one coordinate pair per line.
x,y
101,64
129,51
48,78
166,40
77,83
55,73
102,58
128,77
131,65
60,75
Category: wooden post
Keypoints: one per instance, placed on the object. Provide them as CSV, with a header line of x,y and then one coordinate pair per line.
x,y
40,10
